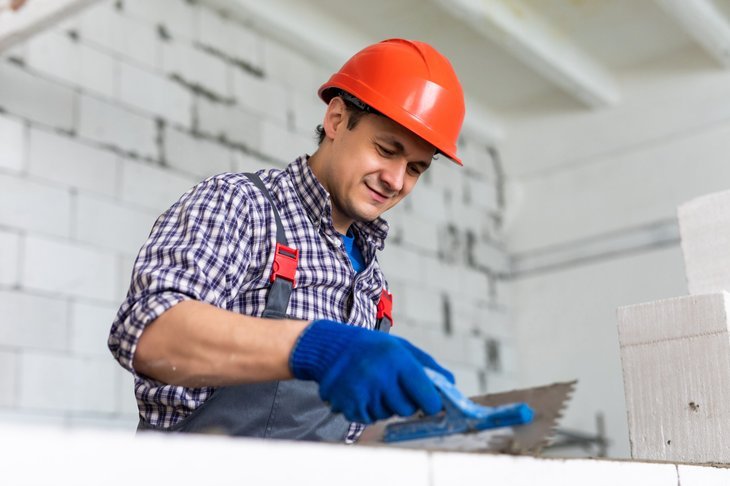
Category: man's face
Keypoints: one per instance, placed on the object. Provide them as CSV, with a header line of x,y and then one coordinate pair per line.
x,y
372,167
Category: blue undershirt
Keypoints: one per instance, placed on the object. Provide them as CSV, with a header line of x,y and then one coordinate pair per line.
x,y
358,262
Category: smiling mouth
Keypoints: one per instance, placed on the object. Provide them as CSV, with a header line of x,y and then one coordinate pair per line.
x,y
378,196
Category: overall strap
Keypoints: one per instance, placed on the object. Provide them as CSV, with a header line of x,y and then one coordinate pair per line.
x,y
384,317
283,271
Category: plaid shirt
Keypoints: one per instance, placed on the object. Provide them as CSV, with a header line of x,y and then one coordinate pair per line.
x,y
216,245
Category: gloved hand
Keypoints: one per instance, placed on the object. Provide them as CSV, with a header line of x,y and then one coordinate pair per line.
x,y
366,375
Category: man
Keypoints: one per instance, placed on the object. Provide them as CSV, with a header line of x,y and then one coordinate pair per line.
x,y
196,328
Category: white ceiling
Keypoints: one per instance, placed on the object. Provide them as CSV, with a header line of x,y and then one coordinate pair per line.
x,y
510,54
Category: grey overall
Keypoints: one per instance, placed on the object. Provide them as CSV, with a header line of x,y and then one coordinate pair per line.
x,y
290,409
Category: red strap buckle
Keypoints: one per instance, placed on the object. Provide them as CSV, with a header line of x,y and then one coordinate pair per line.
x,y
385,306
285,263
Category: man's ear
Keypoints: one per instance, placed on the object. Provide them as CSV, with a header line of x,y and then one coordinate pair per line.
x,y
335,117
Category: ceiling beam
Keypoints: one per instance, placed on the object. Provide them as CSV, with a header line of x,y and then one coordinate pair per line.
x,y
702,20
330,43
33,17
531,39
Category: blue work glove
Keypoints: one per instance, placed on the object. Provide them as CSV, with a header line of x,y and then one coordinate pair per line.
x,y
366,375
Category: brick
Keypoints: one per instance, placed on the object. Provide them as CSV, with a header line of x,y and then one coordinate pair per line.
x,y
177,16
703,226
34,206
126,400
702,476
482,194
421,233
261,96
151,186
428,202
243,162
97,71
423,306
69,269
290,68
70,162
9,258
105,223
12,150
402,263
89,328
196,155
452,468
220,120
63,383
115,126
308,111
8,378
33,321
676,353
104,26
196,66
230,37
149,92
55,54
35,98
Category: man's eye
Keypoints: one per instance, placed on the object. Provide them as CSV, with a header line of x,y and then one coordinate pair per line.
x,y
384,150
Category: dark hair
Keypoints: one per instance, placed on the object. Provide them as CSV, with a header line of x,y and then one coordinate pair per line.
x,y
356,109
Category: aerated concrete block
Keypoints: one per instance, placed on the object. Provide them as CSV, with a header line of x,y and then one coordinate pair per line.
x,y
703,225
676,365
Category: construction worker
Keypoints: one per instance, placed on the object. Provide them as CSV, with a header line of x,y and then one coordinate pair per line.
x,y
235,319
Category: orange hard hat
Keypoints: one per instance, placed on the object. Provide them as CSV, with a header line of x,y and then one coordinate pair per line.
x,y
411,83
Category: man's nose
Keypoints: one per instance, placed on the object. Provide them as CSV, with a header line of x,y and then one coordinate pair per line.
x,y
393,175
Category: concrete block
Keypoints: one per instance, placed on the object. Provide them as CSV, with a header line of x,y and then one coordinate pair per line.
x,y
32,321
104,26
420,233
703,476
152,186
291,68
63,383
35,98
229,37
107,224
261,96
12,150
126,400
195,155
451,468
220,120
243,162
489,256
89,328
283,145
703,224
66,268
10,244
8,378
481,193
467,377
34,206
97,71
196,66
70,162
676,363
115,126
308,111
54,53
177,16
428,202
125,265
154,94
403,264
474,284
422,306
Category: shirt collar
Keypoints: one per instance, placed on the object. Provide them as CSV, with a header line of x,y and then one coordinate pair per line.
x,y
317,203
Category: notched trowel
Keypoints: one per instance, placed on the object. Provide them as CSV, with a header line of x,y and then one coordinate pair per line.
x,y
516,422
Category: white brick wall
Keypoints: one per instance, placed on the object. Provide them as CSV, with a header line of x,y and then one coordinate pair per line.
x,y
115,126
65,268
109,120
34,206
12,150
70,163
10,245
